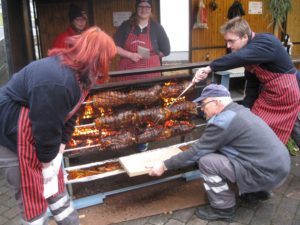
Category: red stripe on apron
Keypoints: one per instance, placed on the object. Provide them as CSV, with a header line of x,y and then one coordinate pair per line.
x,y
131,44
279,102
32,186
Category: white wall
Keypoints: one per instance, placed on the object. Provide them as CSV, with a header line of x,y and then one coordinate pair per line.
x,y
175,19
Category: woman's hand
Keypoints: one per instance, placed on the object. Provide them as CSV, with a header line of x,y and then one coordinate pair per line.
x,y
158,169
135,57
201,74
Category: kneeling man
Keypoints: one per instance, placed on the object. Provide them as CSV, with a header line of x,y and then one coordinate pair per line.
x,y
236,146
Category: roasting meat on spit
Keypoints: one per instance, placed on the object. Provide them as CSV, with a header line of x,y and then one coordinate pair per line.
x,y
160,133
128,118
138,97
145,97
118,141
110,99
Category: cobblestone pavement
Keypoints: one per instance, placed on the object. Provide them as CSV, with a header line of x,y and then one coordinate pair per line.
x,y
282,209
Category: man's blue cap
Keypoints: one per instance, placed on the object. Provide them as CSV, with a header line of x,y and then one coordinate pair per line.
x,y
213,90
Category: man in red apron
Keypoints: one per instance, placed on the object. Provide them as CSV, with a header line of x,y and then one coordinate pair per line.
x,y
37,118
141,42
272,90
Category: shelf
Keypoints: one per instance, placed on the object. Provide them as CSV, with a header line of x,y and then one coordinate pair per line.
x,y
114,172
237,95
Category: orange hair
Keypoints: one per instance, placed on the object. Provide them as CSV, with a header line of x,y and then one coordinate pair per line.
x,y
89,55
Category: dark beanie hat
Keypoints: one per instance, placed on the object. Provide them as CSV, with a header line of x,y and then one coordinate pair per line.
x,y
75,11
140,1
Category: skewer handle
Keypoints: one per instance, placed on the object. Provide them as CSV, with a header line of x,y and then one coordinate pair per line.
x,y
88,102
85,125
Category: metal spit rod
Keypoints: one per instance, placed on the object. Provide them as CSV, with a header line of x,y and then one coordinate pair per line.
x,y
85,125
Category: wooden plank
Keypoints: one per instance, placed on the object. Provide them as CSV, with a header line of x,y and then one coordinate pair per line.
x,y
140,163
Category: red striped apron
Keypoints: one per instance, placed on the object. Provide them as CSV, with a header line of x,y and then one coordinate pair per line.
x,y
278,104
32,186
131,44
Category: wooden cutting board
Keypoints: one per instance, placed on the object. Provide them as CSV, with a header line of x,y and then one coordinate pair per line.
x,y
138,164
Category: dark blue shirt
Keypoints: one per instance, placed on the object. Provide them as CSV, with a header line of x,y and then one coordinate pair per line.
x,y
50,91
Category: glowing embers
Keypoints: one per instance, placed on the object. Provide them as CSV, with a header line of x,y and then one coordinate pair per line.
x,y
95,170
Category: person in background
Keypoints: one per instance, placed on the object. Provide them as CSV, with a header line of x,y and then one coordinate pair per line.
x,y
37,116
236,147
141,30
78,24
272,89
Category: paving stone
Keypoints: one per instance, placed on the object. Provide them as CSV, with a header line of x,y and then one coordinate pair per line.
x,y
196,221
2,182
236,223
297,215
260,221
294,189
4,198
282,217
11,202
218,223
3,220
243,215
174,222
134,222
13,212
4,189
287,208
265,210
296,222
160,219
3,208
183,215
14,221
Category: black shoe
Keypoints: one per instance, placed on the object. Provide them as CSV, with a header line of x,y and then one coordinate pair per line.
x,y
209,213
255,197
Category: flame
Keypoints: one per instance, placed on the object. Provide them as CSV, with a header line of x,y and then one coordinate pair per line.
x,y
88,112
85,131
170,83
89,142
169,123
107,133
104,111
169,101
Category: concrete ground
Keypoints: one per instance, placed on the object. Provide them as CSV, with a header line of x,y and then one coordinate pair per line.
x,y
282,209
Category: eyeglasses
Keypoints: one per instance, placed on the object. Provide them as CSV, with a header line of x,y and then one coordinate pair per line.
x,y
144,7
205,103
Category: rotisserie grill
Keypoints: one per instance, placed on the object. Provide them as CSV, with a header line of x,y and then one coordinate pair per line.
x,y
121,118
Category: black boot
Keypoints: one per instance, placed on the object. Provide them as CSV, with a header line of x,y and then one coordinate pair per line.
x,y
207,212
255,197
